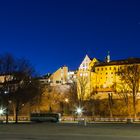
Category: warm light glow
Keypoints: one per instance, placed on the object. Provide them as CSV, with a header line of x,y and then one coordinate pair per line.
x,y
66,100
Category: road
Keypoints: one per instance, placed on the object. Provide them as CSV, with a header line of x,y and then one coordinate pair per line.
x,y
48,131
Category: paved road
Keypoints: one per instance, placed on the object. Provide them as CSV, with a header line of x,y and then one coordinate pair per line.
x,y
46,131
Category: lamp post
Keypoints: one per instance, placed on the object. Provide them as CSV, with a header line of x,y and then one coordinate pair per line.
x,y
110,104
6,93
67,100
67,105
2,111
79,111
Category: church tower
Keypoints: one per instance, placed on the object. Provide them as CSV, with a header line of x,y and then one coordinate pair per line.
x,y
108,57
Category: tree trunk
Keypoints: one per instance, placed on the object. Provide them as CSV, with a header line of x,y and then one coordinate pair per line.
x,y
134,106
134,103
128,107
7,114
110,104
128,111
17,111
14,112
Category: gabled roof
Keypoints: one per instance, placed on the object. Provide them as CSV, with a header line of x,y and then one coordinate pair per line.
x,y
120,62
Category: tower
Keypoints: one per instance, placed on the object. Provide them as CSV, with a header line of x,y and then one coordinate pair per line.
x,y
108,57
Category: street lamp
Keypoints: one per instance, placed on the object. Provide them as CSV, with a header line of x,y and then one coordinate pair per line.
x,y
67,100
2,111
6,92
79,111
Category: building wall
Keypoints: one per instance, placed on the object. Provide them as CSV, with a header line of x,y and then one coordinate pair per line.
x,y
105,79
60,76
84,76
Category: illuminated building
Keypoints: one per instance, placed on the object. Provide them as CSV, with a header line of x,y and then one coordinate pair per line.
x,y
102,75
92,76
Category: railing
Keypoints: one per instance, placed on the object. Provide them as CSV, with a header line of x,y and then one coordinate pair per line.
x,y
100,119
12,118
75,119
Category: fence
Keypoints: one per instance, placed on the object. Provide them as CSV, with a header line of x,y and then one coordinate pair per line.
x,y
100,119
11,118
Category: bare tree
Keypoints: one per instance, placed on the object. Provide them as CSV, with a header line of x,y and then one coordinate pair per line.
x,y
53,99
73,94
79,92
19,82
130,76
124,94
7,65
82,89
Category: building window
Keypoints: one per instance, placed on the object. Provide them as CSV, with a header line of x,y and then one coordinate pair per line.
x,y
96,70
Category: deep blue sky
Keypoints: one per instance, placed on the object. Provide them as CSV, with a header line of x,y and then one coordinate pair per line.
x,y
53,33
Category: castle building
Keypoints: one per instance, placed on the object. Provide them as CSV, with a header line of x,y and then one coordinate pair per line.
x,y
102,76
93,75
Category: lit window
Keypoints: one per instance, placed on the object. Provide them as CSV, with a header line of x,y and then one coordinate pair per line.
x,y
74,77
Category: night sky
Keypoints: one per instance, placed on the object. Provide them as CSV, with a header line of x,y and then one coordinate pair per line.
x,y
53,33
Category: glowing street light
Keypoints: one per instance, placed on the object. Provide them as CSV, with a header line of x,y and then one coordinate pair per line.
x,y
79,111
66,100
6,92
2,111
